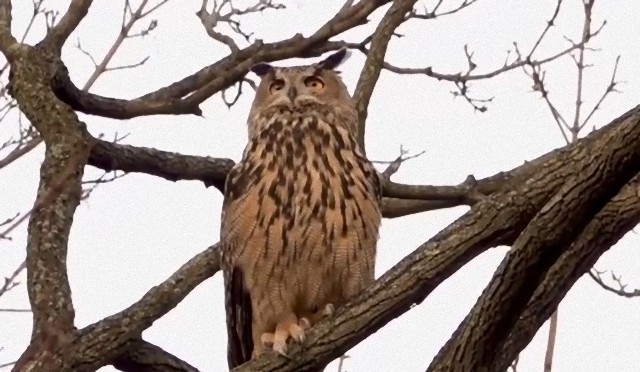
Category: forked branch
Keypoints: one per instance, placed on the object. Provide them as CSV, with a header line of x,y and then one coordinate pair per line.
x,y
185,96
595,181
58,34
619,216
141,355
380,39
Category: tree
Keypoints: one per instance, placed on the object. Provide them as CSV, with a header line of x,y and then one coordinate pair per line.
x,y
558,212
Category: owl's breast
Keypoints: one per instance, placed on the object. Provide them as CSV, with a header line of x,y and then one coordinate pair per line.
x,y
309,167
305,193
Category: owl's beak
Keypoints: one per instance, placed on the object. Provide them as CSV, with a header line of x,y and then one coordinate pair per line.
x,y
292,93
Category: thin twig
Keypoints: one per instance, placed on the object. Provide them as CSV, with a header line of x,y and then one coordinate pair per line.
x,y
551,341
622,287
612,87
341,362
15,310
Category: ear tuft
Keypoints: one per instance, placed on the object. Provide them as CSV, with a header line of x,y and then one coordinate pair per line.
x,y
335,60
261,69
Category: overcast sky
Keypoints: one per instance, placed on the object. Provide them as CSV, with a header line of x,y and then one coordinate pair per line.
x,y
133,233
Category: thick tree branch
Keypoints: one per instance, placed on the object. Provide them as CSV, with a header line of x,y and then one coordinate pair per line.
x,y
464,194
470,190
59,193
7,40
596,179
400,199
395,207
168,165
109,338
619,216
58,35
141,355
184,96
394,17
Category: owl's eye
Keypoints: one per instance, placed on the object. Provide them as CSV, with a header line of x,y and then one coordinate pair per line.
x,y
276,85
314,82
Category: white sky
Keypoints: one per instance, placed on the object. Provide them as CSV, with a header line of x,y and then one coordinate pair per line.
x,y
135,232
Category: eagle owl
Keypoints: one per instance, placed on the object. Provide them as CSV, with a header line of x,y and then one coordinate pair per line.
x,y
301,213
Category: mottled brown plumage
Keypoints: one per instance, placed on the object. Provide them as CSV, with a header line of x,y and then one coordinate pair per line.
x,y
301,211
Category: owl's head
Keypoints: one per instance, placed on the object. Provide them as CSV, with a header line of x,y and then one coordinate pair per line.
x,y
296,85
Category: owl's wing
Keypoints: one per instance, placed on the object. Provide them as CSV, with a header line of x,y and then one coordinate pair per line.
x,y
237,298
372,175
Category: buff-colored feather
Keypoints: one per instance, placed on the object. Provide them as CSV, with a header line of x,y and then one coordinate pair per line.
x,y
301,212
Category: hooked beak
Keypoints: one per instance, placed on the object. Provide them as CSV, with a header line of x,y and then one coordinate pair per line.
x,y
292,93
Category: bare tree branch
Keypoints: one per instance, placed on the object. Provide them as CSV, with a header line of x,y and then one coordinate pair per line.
x,y
465,193
341,363
612,87
144,356
538,247
7,40
461,79
375,58
5,365
622,288
213,171
99,70
168,165
124,33
395,164
427,15
58,35
619,216
10,281
19,151
538,76
551,341
458,77
203,84
61,177
15,310
224,11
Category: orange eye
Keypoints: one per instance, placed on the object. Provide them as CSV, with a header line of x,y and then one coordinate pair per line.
x,y
276,85
314,82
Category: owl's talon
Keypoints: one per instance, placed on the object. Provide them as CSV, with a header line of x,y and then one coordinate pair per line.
x,y
280,348
328,309
286,329
304,323
297,333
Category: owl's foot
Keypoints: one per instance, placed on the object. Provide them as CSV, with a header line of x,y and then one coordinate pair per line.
x,y
287,328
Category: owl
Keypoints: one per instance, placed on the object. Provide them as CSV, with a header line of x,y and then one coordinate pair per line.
x,y
301,210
